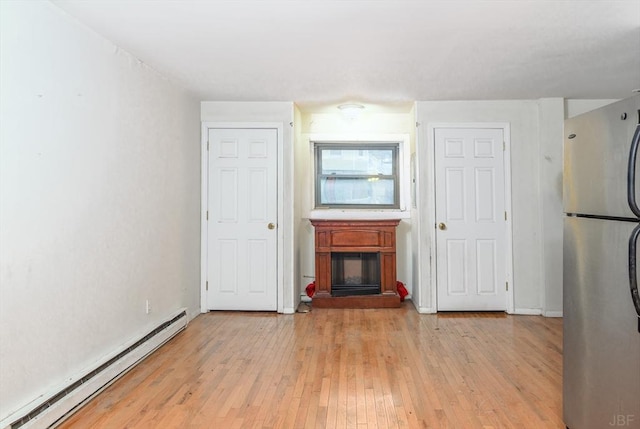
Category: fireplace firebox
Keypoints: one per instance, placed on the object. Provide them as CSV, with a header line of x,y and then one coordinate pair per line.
x,y
355,263
355,273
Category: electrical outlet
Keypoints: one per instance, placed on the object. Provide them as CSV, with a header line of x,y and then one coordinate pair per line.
x,y
147,307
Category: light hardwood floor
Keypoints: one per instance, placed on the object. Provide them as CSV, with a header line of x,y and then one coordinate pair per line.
x,y
337,368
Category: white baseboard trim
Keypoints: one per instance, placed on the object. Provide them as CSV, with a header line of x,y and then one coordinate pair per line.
x,y
425,310
556,313
528,311
305,298
51,410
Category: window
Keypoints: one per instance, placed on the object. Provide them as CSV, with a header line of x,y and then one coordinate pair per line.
x,y
357,175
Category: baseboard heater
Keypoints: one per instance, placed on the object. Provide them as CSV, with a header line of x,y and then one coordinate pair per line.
x,y
61,405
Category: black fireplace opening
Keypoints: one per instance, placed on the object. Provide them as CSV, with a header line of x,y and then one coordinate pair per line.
x,y
355,273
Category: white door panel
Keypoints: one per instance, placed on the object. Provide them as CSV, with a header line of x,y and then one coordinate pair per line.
x,y
242,254
471,229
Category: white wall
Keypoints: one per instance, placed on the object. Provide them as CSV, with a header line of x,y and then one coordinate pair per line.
x,y
527,194
100,200
551,126
301,229
574,107
281,112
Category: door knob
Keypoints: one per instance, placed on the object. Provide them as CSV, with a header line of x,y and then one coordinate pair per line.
x,y
271,225
442,226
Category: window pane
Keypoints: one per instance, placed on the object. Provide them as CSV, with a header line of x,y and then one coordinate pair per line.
x,y
355,191
357,161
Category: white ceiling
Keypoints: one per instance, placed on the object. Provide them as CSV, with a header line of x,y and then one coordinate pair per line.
x,y
381,51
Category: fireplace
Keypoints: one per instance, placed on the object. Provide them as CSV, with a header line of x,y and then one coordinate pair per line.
x,y
355,263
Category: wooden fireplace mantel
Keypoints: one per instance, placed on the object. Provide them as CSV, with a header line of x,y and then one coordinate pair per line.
x,y
356,236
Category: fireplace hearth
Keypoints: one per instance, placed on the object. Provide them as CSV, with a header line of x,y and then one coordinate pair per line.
x,y
355,263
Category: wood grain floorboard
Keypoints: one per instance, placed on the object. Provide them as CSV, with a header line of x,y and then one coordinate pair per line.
x,y
343,368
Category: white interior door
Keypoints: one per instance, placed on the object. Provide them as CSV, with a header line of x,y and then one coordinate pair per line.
x,y
471,229
242,229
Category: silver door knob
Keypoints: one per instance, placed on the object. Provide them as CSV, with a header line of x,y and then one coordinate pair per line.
x,y
271,225
442,226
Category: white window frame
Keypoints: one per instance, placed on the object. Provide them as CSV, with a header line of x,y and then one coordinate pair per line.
x,y
404,188
361,146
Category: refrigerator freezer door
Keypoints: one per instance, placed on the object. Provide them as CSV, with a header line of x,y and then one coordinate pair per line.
x,y
601,351
596,153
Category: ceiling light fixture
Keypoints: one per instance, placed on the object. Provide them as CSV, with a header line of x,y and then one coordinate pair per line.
x,y
351,111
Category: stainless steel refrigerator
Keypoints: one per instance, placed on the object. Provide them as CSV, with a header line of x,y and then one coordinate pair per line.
x,y
601,360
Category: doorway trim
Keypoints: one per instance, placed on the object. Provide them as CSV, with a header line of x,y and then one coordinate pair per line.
x,y
204,205
431,162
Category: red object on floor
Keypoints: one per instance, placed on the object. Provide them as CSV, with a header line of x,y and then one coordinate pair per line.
x,y
311,289
402,291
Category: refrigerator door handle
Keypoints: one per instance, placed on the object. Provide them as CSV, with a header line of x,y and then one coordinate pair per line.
x,y
631,173
633,272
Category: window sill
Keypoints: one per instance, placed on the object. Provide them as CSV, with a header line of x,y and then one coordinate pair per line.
x,y
363,214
